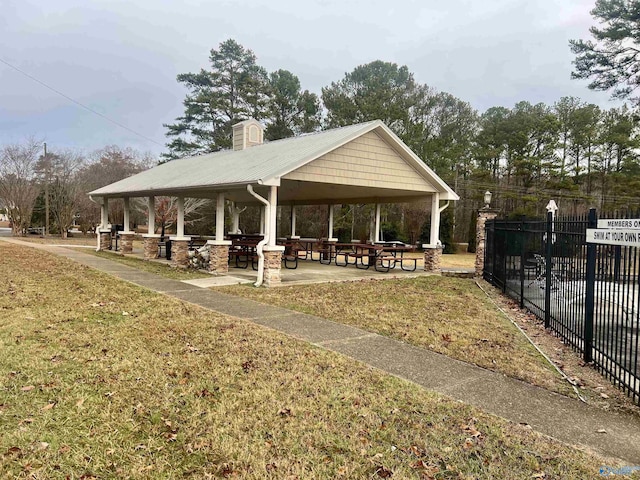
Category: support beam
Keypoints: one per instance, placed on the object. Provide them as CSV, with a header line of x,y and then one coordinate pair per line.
x,y
180,219
330,229
151,205
293,222
126,215
272,215
104,213
220,217
435,220
377,227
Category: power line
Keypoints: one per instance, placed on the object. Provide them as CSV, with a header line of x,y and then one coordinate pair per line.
x,y
79,104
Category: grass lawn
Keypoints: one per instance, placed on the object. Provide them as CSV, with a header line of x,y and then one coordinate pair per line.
x,y
157,268
102,379
447,315
77,239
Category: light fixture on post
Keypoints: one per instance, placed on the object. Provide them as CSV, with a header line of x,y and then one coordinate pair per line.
x,y
487,199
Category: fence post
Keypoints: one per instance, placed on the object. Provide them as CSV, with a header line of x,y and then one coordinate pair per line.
x,y
522,260
590,291
547,272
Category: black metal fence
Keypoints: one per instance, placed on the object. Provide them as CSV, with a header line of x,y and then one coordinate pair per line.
x,y
587,293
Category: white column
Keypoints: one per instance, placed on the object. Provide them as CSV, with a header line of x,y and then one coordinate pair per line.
x,y
272,215
262,215
220,217
377,231
151,206
435,219
293,221
104,213
330,230
126,214
180,219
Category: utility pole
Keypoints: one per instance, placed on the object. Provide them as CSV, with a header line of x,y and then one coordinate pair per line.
x,y
46,192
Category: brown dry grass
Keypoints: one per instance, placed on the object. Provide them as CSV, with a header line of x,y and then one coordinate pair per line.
x,y
78,239
101,379
447,315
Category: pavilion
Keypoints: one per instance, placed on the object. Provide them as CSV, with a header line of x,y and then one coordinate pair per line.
x,y
363,163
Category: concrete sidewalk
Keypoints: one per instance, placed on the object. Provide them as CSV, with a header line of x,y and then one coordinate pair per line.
x,y
549,413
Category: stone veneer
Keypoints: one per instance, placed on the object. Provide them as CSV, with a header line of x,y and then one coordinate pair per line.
x,y
432,257
126,242
180,252
150,245
272,265
104,239
218,258
484,214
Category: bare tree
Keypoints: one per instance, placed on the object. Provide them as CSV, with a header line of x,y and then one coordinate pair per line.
x,y
167,212
19,187
65,191
105,166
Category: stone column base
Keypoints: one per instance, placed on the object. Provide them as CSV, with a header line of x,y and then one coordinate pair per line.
x,y
126,242
180,251
272,266
432,257
104,239
218,256
150,244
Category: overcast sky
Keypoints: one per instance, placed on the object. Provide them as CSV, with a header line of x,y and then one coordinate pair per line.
x,y
121,58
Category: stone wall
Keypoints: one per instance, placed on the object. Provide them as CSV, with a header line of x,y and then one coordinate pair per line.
x,y
272,265
218,258
179,253
483,215
105,239
150,244
126,242
432,258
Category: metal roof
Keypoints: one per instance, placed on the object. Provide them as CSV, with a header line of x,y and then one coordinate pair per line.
x,y
261,164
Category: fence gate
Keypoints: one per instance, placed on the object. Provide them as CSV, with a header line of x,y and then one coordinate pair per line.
x,y
587,293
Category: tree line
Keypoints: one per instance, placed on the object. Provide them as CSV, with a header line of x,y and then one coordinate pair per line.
x,y
572,151
575,152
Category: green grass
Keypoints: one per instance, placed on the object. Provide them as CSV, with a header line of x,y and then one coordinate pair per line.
x,y
157,268
102,379
447,315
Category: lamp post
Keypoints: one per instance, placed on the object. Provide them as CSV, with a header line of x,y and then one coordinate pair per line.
x,y
487,199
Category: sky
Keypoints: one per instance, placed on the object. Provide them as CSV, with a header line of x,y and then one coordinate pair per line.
x,y
120,58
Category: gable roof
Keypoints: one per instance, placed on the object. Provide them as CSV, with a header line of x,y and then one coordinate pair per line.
x,y
263,164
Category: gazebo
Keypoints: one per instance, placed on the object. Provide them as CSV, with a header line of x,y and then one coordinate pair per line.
x,y
363,163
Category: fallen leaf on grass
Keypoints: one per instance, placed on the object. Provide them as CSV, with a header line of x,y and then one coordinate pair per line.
x,y
384,472
13,451
80,402
41,446
49,406
26,420
602,430
604,395
28,388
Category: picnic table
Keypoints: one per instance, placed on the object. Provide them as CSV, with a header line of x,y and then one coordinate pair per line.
x,y
243,250
382,257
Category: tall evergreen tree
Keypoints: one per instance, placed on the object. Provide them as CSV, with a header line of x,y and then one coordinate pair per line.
x,y
234,89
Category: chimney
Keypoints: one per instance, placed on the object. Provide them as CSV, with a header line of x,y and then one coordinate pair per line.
x,y
247,134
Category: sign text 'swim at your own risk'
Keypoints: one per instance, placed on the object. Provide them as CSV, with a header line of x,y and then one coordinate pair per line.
x,y
629,238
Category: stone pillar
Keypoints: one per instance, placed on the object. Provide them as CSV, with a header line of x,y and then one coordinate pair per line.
x,y
432,257
180,251
272,266
150,242
104,239
126,242
218,256
484,214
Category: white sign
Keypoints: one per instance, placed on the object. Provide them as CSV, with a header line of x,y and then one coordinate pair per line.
x,y
633,223
628,237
